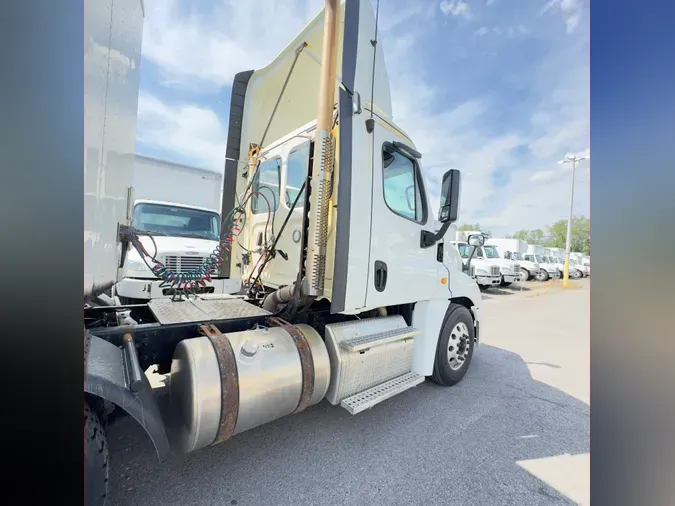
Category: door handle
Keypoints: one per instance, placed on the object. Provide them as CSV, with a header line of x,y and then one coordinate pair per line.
x,y
380,275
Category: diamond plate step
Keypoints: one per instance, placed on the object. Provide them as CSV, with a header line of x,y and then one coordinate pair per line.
x,y
364,342
368,398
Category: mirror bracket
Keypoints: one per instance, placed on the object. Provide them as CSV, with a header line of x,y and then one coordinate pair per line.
x,y
428,239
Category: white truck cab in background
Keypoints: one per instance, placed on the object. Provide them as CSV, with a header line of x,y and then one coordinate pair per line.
x,y
178,205
535,253
550,257
514,249
486,271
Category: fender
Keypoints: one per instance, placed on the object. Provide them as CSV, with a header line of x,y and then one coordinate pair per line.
x,y
106,377
428,316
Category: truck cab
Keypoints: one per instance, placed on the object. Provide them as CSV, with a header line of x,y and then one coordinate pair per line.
x,y
349,291
509,267
486,272
181,237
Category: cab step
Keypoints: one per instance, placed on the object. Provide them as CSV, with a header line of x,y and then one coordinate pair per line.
x,y
374,395
369,341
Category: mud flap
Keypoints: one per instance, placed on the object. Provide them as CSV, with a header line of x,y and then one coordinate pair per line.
x,y
107,376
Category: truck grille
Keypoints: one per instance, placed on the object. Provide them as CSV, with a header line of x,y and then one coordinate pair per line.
x,y
182,263
516,269
494,270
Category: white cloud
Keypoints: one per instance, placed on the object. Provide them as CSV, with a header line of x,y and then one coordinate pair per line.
x,y
490,2
571,11
190,134
481,31
208,48
456,8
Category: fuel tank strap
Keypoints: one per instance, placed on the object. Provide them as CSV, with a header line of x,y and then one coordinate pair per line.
x,y
229,381
306,360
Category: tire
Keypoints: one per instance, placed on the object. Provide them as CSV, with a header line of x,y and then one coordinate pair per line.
x,y
576,274
543,275
505,283
526,276
457,333
95,458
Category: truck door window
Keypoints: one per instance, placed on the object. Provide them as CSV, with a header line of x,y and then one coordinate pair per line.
x,y
296,172
266,182
403,191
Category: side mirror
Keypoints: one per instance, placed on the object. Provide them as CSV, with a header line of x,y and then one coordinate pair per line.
x,y
476,240
449,211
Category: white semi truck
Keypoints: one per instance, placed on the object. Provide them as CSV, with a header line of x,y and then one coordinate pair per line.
x,y
377,302
180,206
515,249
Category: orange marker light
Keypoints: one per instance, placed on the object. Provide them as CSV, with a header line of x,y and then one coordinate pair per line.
x,y
444,281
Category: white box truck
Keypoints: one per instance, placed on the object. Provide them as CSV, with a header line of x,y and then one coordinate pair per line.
x,y
515,250
486,271
509,267
180,206
377,303
547,270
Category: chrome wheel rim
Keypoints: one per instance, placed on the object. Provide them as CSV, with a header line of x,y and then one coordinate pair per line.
x,y
458,346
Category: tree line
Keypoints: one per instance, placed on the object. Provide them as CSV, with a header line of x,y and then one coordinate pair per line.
x,y
553,236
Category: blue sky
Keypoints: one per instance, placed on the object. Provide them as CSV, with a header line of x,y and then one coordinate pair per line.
x,y
496,88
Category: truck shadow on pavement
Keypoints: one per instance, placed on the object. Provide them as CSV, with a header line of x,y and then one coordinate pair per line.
x,y
430,445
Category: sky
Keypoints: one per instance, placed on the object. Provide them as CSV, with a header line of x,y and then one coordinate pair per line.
x,y
496,88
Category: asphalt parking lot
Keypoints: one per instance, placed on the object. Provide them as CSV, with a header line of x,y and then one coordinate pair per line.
x,y
515,431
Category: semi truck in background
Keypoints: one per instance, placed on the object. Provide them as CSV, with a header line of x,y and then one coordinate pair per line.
x,y
515,249
377,302
180,206
486,271
547,270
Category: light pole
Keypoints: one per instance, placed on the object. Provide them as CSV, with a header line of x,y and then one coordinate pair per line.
x,y
574,161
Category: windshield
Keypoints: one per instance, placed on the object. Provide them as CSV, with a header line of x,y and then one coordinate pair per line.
x,y
464,250
491,252
176,221
516,256
573,261
540,259
530,258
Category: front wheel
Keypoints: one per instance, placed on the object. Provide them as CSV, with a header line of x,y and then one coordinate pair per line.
x,y
576,274
455,346
95,459
525,275
543,275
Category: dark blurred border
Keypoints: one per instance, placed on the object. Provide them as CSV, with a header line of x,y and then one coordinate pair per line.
x,y
41,210
633,250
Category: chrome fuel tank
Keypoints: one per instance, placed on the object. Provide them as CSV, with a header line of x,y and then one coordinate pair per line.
x,y
224,384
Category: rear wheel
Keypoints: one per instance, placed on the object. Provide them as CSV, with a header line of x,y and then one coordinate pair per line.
x,y
455,346
95,459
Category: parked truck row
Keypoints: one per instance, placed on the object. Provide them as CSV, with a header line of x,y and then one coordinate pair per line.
x,y
501,262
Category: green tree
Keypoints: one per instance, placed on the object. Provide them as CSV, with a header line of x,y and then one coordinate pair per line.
x,y
579,236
